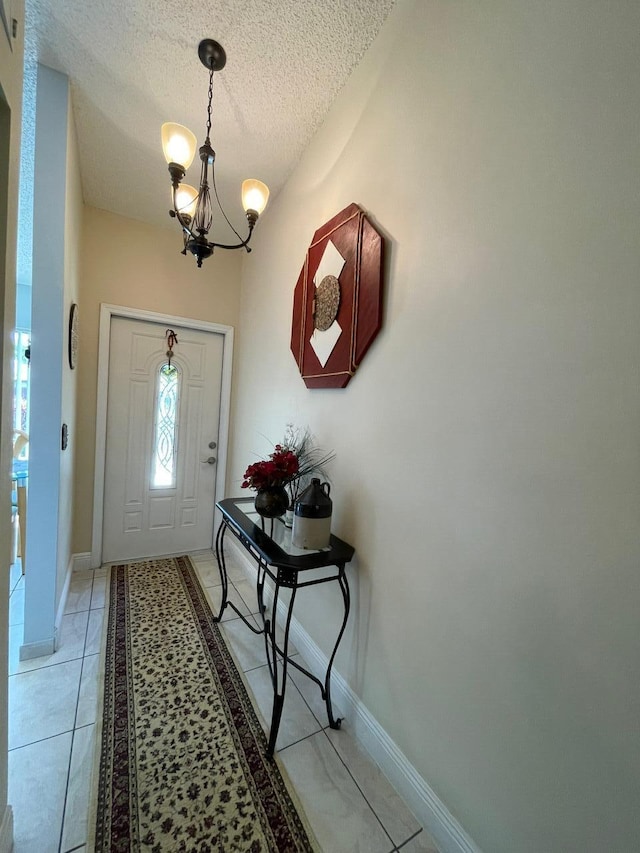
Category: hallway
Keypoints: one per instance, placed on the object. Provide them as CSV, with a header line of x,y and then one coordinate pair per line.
x,y
53,709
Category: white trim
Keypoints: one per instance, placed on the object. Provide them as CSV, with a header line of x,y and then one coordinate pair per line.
x,y
106,313
414,790
81,562
63,602
49,646
38,649
6,831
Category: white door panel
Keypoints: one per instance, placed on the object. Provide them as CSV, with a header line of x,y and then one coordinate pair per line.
x,y
141,518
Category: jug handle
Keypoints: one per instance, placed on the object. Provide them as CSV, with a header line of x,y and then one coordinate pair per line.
x,y
326,488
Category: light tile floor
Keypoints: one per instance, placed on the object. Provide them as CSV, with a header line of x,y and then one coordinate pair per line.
x,y
52,714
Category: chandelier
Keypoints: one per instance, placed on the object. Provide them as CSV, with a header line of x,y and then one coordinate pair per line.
x,y
192,208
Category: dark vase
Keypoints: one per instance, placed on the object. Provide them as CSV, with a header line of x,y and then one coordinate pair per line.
x,y
272,501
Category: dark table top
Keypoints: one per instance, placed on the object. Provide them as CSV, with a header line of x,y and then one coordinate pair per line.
x,y
273,543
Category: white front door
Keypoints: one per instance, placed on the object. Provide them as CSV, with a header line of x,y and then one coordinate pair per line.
x,y
161,446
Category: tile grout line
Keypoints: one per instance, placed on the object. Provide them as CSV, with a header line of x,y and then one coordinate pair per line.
x,y
355,782
75,717
40,740
20,576
411,838
66,789
45,666
311,711
294,742
55,663
373,811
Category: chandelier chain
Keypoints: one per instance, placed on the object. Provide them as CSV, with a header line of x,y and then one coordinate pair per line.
x,y
209,105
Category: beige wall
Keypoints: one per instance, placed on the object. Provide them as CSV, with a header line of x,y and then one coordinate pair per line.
x,y
487,449
11,99
129,263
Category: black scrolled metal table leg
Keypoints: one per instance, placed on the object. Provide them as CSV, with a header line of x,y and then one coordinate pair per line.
x,y
260,576
222,568
278,694
335,723
269,638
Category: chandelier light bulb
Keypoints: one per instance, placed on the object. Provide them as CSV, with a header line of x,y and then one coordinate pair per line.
x,y
186,198
178,144
255,195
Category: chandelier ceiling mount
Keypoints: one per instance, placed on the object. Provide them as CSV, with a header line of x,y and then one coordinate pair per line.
x,y
212,55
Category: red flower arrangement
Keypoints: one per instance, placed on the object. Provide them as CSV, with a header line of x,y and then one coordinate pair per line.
x,y
279,469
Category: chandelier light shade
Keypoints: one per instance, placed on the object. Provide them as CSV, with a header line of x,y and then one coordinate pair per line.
x,y
186,199
255,195
178,144
192,208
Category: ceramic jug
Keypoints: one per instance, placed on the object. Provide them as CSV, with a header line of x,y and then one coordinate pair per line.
x,y
312,517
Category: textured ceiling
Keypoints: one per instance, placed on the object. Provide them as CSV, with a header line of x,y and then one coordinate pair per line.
x,y
134,65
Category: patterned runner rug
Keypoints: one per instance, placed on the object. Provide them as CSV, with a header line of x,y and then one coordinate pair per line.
x,y
182,763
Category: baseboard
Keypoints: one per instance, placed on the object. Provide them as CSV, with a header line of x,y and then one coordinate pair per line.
x,y
49,646
414,790
81,562
62,604
77,562
36,650
6,831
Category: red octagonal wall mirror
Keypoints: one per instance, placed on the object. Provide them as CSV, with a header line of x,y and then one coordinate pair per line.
x,y
337,302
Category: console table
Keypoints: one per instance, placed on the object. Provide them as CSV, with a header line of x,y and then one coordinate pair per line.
x,y
269,544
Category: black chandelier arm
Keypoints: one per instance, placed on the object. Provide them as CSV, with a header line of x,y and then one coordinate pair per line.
x,y
185,224
252,220
244,244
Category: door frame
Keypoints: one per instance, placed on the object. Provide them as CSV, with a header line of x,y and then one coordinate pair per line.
x,y
107,312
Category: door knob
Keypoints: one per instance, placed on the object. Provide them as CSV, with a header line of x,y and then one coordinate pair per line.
x,y
212,445
211,460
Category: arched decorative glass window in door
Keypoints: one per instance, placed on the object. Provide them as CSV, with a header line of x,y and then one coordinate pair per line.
x,y
166,427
